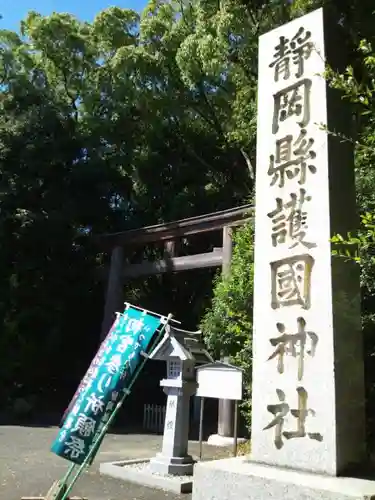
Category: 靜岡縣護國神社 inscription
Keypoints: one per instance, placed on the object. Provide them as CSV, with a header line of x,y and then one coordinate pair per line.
x,y
290,197
291,276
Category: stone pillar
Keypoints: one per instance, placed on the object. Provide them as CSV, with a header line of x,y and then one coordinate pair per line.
x,y
308,419
225,407
308,375
114,295
174,458
225,420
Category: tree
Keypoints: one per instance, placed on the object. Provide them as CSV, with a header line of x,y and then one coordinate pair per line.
x,y
98,133
357,85
227,324
128,121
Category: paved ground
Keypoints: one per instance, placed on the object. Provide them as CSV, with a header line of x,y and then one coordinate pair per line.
x,y
27,467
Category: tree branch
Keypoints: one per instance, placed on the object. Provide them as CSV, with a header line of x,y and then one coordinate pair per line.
x,y
248,163
70,96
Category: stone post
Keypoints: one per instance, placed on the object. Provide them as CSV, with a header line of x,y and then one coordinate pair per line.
x,y
224,434
308,418
225,420
225,406
174,458
308,376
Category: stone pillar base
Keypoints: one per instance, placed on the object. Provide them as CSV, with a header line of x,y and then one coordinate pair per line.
x,y
237,478
175,466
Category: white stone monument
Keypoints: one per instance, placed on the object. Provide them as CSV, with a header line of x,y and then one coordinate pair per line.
x,y
181,350
308,424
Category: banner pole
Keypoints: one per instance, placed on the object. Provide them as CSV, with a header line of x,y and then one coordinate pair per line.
x,y
67,475
147,311
96,444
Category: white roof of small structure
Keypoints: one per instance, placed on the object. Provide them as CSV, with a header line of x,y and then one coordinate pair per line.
x,y
181,344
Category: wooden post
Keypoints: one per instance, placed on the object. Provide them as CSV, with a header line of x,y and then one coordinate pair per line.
x,y
235,432
114,297
201,429
225,410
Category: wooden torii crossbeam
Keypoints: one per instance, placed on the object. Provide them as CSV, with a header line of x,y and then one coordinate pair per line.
x,y
168,233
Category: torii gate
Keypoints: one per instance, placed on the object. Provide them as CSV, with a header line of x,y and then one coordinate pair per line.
x,y
168,233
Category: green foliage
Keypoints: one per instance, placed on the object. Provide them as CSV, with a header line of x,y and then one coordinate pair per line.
x,y
361,92
227,325
99,132
131,120
359,247
357,85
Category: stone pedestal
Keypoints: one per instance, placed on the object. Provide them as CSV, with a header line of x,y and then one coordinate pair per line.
x,y
237,479
174,458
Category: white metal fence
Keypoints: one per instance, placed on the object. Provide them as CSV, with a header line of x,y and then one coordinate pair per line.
x,y
153,418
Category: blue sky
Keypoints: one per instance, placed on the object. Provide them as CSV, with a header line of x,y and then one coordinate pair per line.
x,y
13,11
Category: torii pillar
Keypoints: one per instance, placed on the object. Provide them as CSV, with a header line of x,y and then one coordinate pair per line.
x,y
225,427
114,295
